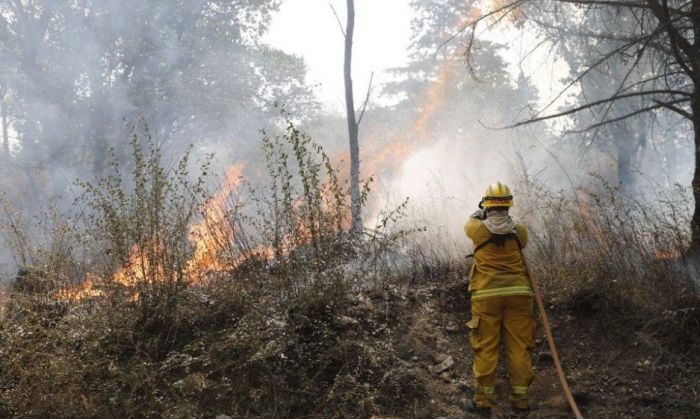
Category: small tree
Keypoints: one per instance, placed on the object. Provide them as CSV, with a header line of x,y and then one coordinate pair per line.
x,y
352,118
143,221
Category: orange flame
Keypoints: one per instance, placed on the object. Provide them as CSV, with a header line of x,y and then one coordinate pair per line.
x,y
140,266
86,289
214,233
667,254
209,237
401,146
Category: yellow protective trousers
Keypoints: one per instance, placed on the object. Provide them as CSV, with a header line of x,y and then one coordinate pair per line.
x,y
508,317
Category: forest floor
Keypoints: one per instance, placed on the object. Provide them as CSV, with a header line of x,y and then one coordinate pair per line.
x,y
394,351
612,374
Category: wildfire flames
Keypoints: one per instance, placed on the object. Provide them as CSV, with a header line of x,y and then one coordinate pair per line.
x,y
213,234
667,255
209,237
378,155
87,289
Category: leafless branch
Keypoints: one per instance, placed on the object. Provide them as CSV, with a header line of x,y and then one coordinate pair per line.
x,y
364,105
337,18
621,86
602,102
675,109
627,116
613,3
595,65
678,43
650,80
470,24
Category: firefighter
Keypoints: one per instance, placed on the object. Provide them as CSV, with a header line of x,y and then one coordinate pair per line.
x,y
501,300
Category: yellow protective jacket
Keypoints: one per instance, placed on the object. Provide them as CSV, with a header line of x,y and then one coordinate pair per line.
x,y
497,271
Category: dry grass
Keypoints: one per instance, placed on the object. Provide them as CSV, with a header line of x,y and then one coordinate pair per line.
x,y
621,261
252,333
272,330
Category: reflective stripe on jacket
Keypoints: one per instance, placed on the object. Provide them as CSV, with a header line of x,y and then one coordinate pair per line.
x,y
497,271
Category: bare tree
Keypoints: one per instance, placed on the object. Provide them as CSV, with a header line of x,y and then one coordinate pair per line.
x,y
659,41
5,122
353,120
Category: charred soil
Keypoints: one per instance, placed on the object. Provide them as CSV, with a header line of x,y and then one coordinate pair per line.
x,y
393,351
636,366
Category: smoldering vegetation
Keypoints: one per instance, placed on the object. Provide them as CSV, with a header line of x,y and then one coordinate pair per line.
x,y
176,222
162,301
76,74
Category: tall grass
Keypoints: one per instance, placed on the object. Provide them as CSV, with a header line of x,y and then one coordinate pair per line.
x,y
620,260
600,235
262,332
153,338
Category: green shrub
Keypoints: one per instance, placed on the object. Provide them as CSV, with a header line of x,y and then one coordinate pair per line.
x,y
256,335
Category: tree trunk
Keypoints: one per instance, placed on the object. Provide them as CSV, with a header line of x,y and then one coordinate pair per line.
x,y
627,139
5,126
625,176
98,155
35,194
694,248
695,223
355,204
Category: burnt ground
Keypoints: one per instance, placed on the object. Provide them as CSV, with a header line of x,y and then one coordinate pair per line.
x,y
614,372
390,352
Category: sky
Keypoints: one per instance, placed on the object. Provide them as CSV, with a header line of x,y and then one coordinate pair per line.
x,y
308,28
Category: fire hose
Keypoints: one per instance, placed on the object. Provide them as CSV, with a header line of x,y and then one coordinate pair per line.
x,y
552,346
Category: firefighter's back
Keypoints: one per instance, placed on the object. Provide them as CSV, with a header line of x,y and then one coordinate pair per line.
x,y
499,268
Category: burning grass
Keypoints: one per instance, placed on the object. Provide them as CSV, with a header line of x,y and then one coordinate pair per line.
x,y
254,301
187,296
619,260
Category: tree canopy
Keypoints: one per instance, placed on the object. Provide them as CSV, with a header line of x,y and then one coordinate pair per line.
x,y
194,70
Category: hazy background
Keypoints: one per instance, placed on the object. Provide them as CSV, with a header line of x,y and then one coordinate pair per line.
x,y
211,74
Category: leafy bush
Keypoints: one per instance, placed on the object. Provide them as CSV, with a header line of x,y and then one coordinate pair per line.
x,y
254,303
152,332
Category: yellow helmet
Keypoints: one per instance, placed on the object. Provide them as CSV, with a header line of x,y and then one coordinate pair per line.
x,y
497,195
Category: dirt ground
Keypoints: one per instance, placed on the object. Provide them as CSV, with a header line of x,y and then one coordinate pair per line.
x,y
411,355
611,375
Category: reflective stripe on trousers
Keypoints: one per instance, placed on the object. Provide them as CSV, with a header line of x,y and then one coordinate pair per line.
x,y
502,292
519,389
